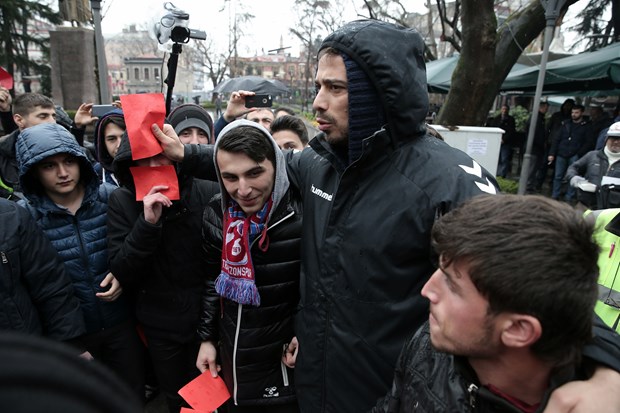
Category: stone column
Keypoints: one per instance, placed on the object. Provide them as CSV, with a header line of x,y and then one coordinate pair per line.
x,y
72,56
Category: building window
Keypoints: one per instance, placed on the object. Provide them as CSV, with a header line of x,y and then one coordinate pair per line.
x,y
136,73
156,73
146,73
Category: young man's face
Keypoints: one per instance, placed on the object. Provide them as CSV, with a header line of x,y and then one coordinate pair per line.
x,y
459,320
287,139
248,182
59,174
37,116
332,99
576,115
112,136
263,116
193,135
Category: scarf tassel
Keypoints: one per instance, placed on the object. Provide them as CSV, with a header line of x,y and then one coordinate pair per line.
x,y
239,290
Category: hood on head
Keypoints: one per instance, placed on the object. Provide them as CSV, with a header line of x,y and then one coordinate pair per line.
x,y
190,115
392,57
38,142
123,161
101,151
281,183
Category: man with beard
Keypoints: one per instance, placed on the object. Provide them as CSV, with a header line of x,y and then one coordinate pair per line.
x,y
372,184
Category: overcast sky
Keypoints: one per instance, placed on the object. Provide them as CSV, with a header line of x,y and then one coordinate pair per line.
x,y
272,21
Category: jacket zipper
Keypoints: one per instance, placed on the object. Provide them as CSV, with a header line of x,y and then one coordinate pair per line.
x,y
472,389
283,366
239,308
84,256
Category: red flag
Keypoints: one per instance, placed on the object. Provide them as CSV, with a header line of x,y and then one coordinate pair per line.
x,y
6,80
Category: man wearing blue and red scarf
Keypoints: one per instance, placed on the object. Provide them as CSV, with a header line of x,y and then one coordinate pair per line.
x,y
252,244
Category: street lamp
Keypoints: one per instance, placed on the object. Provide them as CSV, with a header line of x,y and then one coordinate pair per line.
x,y
102,67
552,11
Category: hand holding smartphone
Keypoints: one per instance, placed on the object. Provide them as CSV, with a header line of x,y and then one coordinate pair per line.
x,y
258,101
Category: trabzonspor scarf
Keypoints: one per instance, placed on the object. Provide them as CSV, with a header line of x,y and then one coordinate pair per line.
x,y
236,280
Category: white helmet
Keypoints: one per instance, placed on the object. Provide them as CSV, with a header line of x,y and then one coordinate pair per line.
x,y
614,129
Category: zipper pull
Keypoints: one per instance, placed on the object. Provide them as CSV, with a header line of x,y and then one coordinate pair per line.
x,y
612,248
5,260
472,390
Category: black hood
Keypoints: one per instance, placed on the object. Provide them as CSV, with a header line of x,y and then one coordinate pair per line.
x,y
101,151
123,160
392,57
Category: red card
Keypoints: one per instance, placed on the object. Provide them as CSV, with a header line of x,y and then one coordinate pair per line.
x,y
205,393
141,111
6,80
186,410
146,177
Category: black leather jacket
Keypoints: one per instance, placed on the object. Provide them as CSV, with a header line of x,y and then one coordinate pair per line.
x,y
427,380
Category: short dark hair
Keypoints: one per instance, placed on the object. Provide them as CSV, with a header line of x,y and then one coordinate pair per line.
x,y
25,103
292,123
116,120
579,107
284,109
250,141
328,50
529,255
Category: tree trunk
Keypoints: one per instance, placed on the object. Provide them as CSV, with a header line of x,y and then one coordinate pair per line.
x,y
487,56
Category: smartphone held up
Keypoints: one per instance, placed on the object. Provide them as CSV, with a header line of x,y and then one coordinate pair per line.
x,y
258,101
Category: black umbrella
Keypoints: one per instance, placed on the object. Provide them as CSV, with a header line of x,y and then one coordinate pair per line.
x,y
252,83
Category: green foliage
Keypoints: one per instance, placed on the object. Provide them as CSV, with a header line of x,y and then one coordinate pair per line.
x,y
15,39
592,28
508,186
521,116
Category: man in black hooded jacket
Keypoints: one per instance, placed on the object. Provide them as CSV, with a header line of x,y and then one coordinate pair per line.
x,y
372,184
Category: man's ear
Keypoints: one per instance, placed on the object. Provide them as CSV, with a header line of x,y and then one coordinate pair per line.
x,y
520,330
19,120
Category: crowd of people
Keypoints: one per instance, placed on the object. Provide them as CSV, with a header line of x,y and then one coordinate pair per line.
x,y
369,268
578,148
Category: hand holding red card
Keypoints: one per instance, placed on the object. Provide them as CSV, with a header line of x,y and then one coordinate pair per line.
x,y
146,177
205,393
141,111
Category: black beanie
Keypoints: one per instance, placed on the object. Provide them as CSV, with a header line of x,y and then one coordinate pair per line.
x,y
365,111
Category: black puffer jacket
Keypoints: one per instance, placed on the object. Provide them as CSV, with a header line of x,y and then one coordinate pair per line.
x,y
9,167
36,295
160,262
252,338
366,249
427,380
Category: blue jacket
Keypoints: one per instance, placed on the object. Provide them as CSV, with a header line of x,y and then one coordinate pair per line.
x,y
80,239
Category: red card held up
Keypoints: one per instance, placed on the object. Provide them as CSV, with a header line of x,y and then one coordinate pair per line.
x,y
146,177
205,393
6,80
141,111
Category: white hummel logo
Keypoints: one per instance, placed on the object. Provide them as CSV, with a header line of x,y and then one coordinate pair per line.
x,y
476,170
320,193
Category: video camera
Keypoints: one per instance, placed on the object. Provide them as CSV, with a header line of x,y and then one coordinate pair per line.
x,y
173,26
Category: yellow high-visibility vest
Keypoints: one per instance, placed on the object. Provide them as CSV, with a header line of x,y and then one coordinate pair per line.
x,y
608,304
